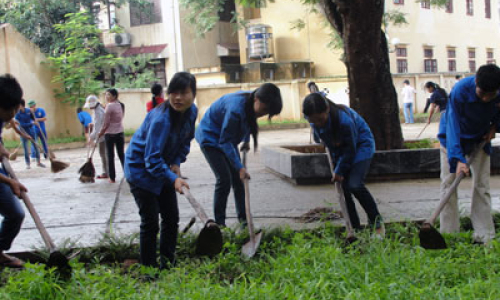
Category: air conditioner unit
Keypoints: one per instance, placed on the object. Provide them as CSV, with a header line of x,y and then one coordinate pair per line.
x,y
123,39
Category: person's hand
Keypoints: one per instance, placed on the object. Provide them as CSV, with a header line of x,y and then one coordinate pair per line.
x,y
245,147
179,184
243,174
462,168
4,153
337,178
176,169
490,135
26,136
428,121
17,187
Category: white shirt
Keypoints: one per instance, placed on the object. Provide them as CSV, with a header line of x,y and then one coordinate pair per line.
x,y
408,94
98,121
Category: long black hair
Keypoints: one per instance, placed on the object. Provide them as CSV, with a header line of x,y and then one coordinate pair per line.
x,y
316,103
156,90
268,94
436,87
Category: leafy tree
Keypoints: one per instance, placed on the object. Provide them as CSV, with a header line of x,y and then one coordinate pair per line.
x,y
135,72
78,67
359,31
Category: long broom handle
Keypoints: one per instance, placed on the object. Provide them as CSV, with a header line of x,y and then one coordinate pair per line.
x,y
197,207
40,149
422,131
38,222
44,138
248,210
340,191
454,185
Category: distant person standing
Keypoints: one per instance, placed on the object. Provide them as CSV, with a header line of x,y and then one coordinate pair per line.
x,y
40,117
157,91
438,99
97,123
408,93
27,123
112,130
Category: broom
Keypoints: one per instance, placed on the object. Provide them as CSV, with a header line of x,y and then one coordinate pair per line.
x,y
55,165
87,171
13,155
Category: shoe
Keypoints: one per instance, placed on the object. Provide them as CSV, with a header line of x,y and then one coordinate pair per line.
x,y
103,176
40,165
28,167
111,181
11,261
379,233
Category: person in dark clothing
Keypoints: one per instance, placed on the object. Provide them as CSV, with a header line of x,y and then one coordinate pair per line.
x,y
438,99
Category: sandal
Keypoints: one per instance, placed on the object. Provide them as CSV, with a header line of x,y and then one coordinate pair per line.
x,y
103,176
11,262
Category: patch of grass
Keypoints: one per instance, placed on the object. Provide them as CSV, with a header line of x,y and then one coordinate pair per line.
x,y
129,132
421,144
266,123
308,264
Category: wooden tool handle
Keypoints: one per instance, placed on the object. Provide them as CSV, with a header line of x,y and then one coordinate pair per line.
x,y
93,149
41,228
454,186
422,131
33,141
197,207
42,134
248,210
340,192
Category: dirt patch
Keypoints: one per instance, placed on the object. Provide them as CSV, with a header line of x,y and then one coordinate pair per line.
x,y
319,214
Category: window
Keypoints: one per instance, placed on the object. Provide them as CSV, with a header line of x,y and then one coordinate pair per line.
x,y
425,4
487,8
402,65
472,53
228,10
401,52
428,53
452,53
145,12
469,7
449,6
399,1
490,57
430,65
472,66
452,65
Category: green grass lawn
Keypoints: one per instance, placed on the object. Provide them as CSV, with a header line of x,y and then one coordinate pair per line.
x,y
289,265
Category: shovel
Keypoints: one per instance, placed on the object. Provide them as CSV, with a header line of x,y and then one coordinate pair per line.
x,y
350,238
209,241
430,238
251,246
56,258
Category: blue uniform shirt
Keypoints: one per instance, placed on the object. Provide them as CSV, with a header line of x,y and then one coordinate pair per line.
x,y
25,119
155,146
439,100
224,126
466,121
40,113
356,144
84,118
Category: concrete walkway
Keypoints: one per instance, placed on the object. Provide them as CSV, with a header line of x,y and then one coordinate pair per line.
x,y
76,211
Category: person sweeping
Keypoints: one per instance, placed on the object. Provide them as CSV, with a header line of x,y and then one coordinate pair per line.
x,y
351,142
229,121
152,168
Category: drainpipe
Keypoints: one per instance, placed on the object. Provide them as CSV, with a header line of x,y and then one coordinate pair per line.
x,y
176,20
7,58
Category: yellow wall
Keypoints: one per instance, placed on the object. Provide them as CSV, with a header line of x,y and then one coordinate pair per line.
x,y
23,60
437,28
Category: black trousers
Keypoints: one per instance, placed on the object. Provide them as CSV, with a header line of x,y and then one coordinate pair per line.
x,y
113,140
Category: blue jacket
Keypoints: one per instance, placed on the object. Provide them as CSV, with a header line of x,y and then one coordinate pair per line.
x,y
25,119
224,126
467,120
40,113
357,142
155,146
84,118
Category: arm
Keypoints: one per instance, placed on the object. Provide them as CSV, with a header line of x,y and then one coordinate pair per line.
x,y
15,185
43,118
455,153
431,112
184,149
14,126
348,150
229,130
107,119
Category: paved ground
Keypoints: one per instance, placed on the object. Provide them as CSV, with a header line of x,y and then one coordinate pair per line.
x,y
80,212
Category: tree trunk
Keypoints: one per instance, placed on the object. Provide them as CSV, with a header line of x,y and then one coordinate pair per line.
x,y
372,91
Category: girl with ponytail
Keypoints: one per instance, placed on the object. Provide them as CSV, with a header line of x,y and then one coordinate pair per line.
x,y
439,98
157,99
228,122
351,142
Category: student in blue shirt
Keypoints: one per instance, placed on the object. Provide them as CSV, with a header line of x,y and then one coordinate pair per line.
x,y
229,121
26,122
152,168
10,206
472,116
438,99
40,117
352,146
85,119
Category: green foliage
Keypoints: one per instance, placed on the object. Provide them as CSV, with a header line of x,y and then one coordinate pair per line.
x,y
394,17
289,265
421,144
79,65
133,72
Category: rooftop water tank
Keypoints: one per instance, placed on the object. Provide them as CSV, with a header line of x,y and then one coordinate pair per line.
x,y
260,41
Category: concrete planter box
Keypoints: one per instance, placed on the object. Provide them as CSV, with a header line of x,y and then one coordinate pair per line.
x,y
306,164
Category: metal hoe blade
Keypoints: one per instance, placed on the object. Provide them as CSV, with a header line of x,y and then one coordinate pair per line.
x,y
250,248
